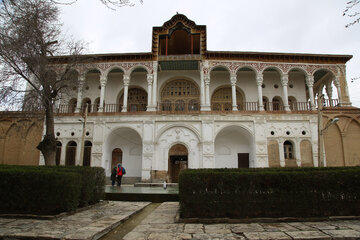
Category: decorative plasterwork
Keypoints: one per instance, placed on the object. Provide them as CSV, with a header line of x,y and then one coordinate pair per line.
x,y
105,68
283,68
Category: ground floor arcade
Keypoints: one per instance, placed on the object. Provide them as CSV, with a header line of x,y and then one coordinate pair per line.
x,y
157,147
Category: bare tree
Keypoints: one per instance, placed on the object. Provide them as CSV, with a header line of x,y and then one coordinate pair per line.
x,y
29,42
111,4
351,12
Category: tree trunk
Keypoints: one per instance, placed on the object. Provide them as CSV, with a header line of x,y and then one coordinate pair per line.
x,y
48,145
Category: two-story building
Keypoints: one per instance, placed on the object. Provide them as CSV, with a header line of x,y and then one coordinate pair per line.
x,y
182,106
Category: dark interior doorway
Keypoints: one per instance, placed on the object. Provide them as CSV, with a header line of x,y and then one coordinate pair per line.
x,y
87,153
178,160
243,160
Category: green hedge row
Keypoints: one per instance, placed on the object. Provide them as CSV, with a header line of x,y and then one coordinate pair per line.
x,y
49,190
279,192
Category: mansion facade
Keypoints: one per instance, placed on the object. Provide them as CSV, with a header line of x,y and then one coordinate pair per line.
x,y
182,106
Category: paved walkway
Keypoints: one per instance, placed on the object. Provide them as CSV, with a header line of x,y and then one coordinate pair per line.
x,y
160,225
89,224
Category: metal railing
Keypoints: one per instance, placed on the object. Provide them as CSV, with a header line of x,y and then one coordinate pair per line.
x,y
194,107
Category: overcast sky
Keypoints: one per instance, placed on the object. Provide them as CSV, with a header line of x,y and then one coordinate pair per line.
x,y
290,26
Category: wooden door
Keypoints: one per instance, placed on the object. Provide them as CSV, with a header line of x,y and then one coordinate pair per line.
x,y
243,160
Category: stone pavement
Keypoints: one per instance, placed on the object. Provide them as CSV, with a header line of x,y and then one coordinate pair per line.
x,y
160,225
88,224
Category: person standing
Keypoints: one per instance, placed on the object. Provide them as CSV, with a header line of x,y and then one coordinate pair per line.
x,y
113,176
120,172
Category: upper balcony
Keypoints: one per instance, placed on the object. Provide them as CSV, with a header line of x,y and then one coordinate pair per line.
x,y
193,107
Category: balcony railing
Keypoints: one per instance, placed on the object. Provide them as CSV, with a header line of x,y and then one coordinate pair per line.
x,y
194,107
180,107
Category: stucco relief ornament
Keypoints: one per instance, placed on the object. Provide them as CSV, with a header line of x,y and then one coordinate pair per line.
x,y
148,148
97,148
177,131
261,149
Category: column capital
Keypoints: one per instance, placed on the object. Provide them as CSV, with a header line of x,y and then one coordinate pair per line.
x,y
103,80
259,80
81,79
233,79
336,81
150,78
310,80
284,79
126,80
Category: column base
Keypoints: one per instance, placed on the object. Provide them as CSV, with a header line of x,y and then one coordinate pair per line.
x,y
234,108
101,109
287,108
205,108
151,109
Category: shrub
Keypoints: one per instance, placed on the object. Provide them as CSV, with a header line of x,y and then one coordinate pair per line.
x,y
298,192
49,190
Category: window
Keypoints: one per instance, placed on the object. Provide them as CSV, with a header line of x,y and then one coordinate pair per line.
x,y
288,150
137,100
221,100
180,95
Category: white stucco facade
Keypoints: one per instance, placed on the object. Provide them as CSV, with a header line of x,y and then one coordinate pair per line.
x,y
223,107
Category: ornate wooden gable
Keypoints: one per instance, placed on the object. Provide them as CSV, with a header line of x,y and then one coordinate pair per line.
x,y
179,36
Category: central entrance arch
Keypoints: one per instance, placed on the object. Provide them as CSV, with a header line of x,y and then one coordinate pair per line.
x,y
178,160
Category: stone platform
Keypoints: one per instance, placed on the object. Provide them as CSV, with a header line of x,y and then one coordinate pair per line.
x,y
88,224
161,225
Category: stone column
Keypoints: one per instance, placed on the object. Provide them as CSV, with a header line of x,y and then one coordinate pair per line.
x,y
259,82
63,153
233,92
126,90
310,84
150,78
103,81
343,87
329,91
154,85
284,82
338,88
202,88
80,92
207,92
281,153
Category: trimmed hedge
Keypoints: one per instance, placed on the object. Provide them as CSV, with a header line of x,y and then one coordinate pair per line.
x,y
269,192
49,190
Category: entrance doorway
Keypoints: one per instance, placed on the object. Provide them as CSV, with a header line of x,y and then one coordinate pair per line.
x,y
178,160
116,157
243,160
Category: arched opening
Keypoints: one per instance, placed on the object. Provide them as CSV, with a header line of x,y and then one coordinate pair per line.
x,y
266,103
83,105
288,150
180,95
87,154
72,105
277,104
96,105
124,145
116,157
137,100
306,154
58,153
292,103
234,148
221,99
324,85
178,160
70,153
